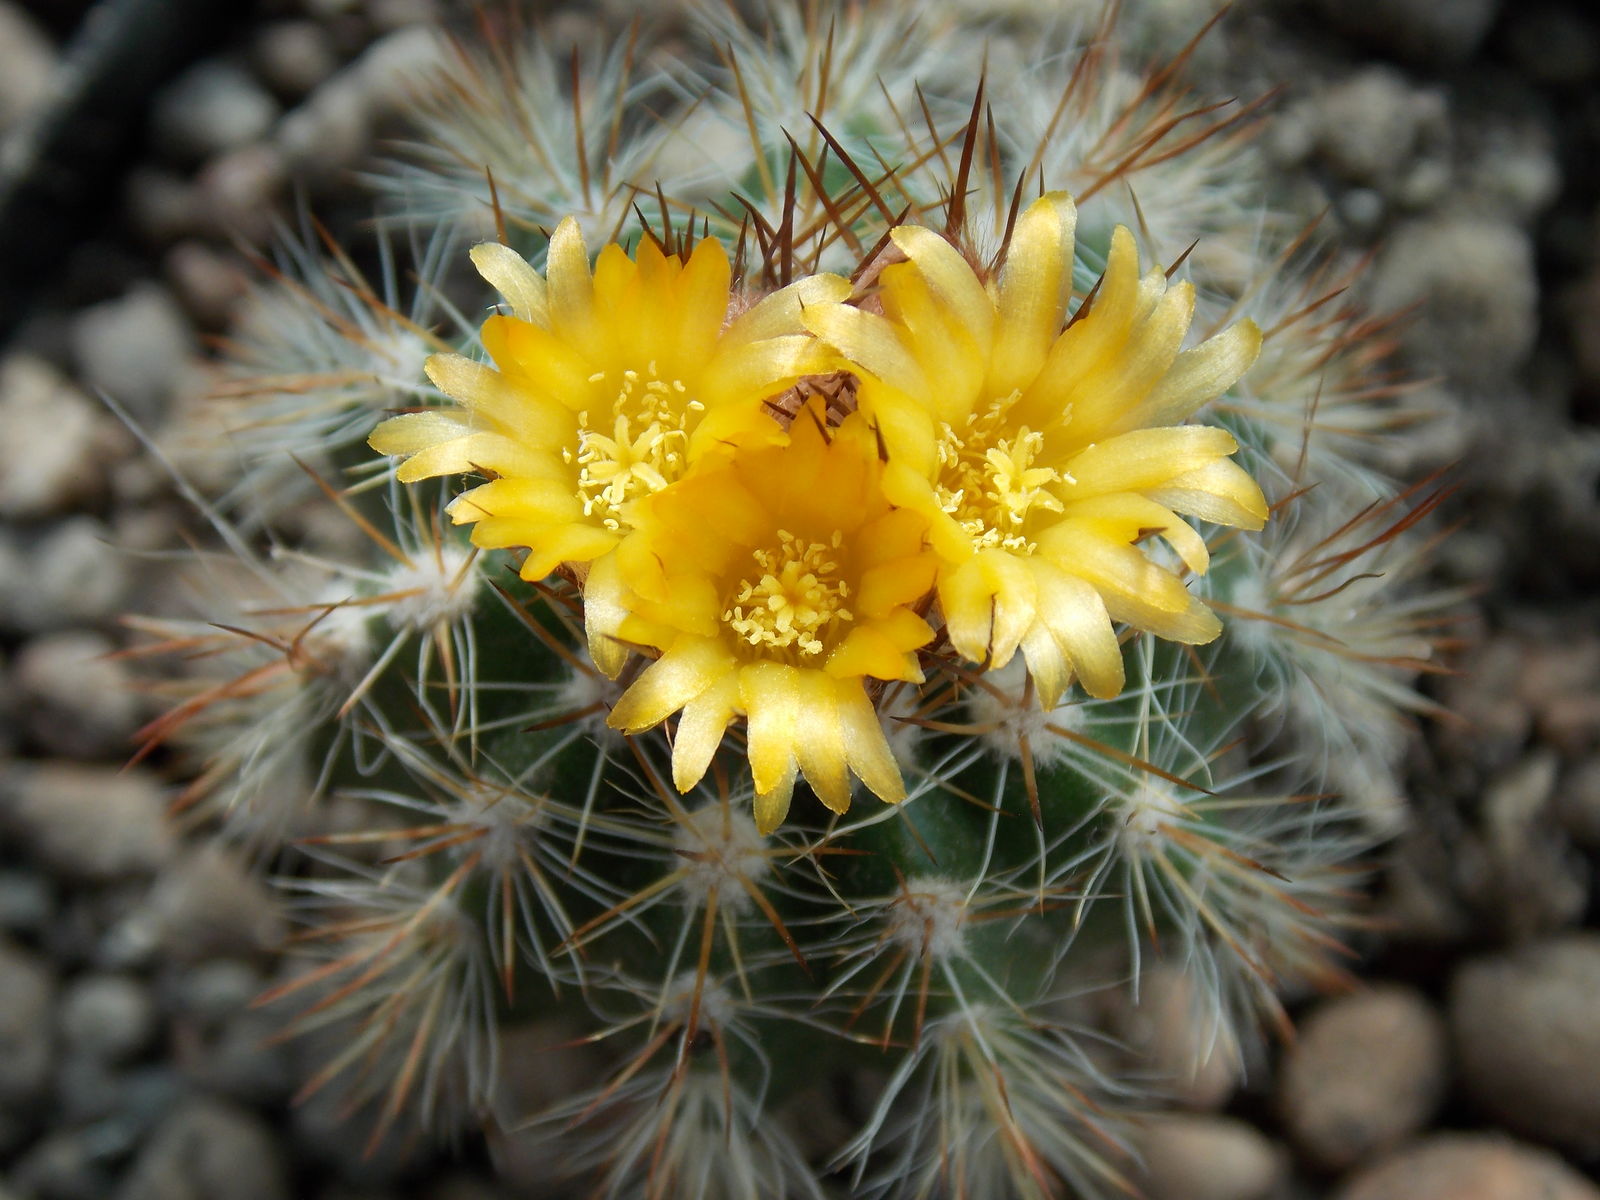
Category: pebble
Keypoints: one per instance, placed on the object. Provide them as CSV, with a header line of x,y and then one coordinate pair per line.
x,y
69,575
59,443
64,1165
210,283
1199,1067
208,904
27,1046
1472,280
213,107
138,349
108,1018
1364,1073
1534,883
1527,1039
208,1148
27,901
1423,31
235,193
1187,1157
333,128
162,205
1457,1166
1578,803
87,822
76,700
293,56
1371,125
27,59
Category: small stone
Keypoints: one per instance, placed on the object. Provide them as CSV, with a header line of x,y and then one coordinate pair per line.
x,y
244,1060
1473,281
1365,1072
209,993
1527,1041
235,193
58,442
77,701
211,284
72,575
27,1044
333,128
1578,803
1370,125
64,1165
1422,31
213,107
1469,1167
27,60
1189,1157
208,904
293,56
110,1018
90,823
1534,883
138,349
162,205
1199,1066
208,1148
27,901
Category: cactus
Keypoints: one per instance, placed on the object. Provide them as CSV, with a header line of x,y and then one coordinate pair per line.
x,y
859,590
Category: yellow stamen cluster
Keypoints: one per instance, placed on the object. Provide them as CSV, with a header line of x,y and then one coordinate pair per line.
x,y
987,480
797,596
648,445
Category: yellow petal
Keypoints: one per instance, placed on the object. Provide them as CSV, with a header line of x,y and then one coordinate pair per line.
x,y
574,543
1200,375
700,729
410,432
866,747
1127,516
1033,287
604,610
1144,458
966,600
687,669
952,279
511,275
1010,582
772,805
569,288
771,701
870,342
780,313
1077,621
1221,492
819,739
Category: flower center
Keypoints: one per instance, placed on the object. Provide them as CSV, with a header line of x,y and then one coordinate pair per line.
x,y
794,599
987,480
642,449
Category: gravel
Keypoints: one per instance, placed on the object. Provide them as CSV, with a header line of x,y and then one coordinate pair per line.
x,y
1461,1167
88,822
1365,1073
1527,1039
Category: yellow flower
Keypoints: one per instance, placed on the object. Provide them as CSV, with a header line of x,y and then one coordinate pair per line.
x,y
607,386
1042,456
774,586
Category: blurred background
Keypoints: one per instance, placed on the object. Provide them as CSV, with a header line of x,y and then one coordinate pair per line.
x,y
149,147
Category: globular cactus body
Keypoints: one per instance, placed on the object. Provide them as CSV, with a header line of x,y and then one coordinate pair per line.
x,y
822,659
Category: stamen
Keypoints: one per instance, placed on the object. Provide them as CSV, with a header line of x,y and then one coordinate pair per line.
x,y
988,482
645,449
795,599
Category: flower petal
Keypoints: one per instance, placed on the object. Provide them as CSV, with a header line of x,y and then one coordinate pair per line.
x,y
688,668
514,278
